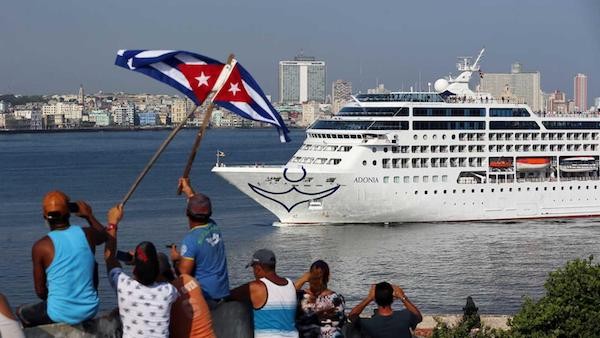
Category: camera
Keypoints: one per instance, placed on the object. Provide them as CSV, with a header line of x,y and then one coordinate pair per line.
x,y
73,207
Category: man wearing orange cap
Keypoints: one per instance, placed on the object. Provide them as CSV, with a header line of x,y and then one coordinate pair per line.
x,y
64,268
202,251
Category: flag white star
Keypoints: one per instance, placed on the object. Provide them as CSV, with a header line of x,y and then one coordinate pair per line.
x,y
202,80
234,88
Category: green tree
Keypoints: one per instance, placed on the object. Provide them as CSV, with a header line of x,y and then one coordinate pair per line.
x,y
570,308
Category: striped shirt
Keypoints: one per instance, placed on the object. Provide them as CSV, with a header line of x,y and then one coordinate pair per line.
x,y
277,317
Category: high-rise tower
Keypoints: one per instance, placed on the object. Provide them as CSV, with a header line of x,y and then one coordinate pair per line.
x,y
302,80
580,92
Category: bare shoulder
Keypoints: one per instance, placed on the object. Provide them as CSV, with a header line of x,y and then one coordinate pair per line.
x,y
43,245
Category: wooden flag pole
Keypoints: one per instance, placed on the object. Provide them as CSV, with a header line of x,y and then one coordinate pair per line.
x,y
200,135
156,155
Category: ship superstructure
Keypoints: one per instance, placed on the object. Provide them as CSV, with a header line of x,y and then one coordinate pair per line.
x,y
448,155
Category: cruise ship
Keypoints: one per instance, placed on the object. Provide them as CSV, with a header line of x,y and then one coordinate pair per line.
x,y
449,154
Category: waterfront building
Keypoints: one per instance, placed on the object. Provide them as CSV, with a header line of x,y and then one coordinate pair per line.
x,y
32,115
3,106
179,110
580,92
124,114
597,102
310,112
525,86
557,103
101,118
148,118
341,93
302,80
68,114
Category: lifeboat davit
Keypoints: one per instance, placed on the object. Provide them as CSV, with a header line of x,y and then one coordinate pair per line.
x,y
533,163
501,164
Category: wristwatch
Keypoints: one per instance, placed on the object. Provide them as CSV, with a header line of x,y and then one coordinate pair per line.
x,y
403,298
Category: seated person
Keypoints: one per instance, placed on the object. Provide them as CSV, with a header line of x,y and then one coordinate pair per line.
x,y
273,298
64,268
386,323
144,303
9,325
321,310
190,316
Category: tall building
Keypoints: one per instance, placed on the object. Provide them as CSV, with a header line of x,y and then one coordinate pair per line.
x,y
557,103
580,92
310,112
341,93
525,86
302,80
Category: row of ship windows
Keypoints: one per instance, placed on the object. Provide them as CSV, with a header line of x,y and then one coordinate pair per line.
x,y
319,160
464,191
481,136
415,179
454,162
491,148
317,147
543,147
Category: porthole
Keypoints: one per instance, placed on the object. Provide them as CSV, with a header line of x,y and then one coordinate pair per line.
x,y
570,188
578,187
424,137
453,137
374,162
472,191
364,162
553,188
537,189
415,136
374,149
435,192
385,149
444,137
492,189
425,192
463,191
444,191
416,192
501,189
454,191
435,137
481,190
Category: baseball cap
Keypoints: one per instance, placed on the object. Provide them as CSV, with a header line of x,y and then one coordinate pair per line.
x,y
262,256
199,205
55,204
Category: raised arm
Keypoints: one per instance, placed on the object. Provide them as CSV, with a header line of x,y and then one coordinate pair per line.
x,y
110,247
96,232
358,309
399,294
186,187
302,280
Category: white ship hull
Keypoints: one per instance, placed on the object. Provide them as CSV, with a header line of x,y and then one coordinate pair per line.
x,y
373,201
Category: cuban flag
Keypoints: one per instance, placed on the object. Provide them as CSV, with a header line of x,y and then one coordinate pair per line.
x,y
196,76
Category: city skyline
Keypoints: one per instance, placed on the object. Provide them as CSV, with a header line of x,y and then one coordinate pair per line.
x,y
53,47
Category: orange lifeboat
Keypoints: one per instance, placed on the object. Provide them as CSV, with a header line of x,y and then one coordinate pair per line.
x,y
533,163
501,164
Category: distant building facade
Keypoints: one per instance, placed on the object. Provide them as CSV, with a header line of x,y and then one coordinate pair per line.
x,y
557,102
302,80
380,89
597,102
341,93
149,118
124,114
525,86
580,92
100,118
310,112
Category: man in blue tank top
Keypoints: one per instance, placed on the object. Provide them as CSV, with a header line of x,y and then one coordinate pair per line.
x,y
273,298
202,250
65,272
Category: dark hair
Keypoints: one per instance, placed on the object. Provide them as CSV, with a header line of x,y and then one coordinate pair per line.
x,y
198,218
55,218
146,263
321,265
384,294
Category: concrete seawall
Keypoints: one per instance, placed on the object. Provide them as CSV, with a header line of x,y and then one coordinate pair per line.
x,y
229,320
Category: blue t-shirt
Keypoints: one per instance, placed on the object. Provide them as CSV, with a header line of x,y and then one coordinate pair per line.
x,y
204,244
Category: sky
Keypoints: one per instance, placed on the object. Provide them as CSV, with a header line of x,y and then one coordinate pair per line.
x,y
50,47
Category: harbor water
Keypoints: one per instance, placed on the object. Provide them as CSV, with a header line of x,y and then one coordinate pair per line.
x,y
438,264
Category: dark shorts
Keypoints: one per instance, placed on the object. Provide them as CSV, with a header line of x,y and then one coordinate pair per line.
x,y
34,314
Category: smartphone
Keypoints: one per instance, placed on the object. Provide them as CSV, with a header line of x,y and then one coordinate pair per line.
x,y
73,207
124,256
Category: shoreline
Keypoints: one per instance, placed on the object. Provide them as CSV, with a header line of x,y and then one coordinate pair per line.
x,y
111,129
